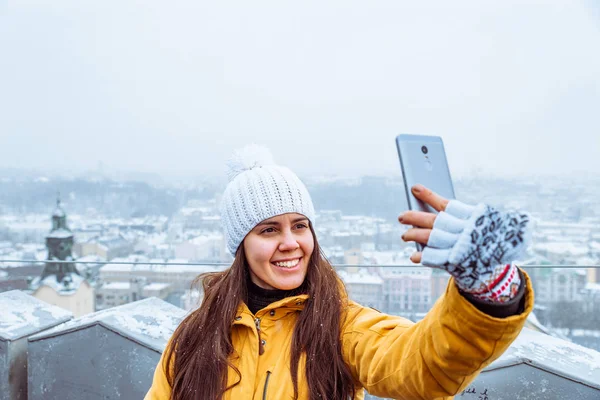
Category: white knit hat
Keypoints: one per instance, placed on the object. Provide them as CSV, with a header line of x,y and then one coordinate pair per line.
x,y
259,189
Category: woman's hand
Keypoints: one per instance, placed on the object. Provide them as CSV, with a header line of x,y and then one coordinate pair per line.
x,y
475,244
422,221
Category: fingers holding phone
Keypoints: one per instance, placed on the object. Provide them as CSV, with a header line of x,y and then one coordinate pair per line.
x,y
421,221
429,197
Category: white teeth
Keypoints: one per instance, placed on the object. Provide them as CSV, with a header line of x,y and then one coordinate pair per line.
x,y
288,264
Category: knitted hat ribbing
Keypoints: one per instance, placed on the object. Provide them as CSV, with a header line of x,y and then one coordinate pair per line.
x,y
259,189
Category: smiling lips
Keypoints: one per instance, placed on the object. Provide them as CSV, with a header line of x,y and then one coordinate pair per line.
x,y
288,264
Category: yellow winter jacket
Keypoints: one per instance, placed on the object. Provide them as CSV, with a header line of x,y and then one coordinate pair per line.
x,y
388,356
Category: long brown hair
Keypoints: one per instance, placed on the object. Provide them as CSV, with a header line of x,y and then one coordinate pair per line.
x,y
202,342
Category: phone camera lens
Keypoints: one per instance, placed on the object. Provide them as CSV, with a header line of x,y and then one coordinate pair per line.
x,y
424,149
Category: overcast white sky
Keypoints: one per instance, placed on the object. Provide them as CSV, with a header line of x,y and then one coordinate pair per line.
x,y
512,86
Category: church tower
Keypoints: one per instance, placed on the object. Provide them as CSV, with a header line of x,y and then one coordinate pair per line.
x,y
59,243
60,283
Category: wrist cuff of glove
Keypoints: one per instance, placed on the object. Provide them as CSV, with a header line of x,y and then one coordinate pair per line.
x,y
500,310
502,287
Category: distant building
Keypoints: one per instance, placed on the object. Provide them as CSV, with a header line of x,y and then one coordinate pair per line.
x,y
197,216
591,294
154,271
18,278
553,285
348,239
364,288
106,247
114,294
353,256
203,248
156,289
407,290
563,242
329,216
86,233
593,275
154,246
439,283
60,283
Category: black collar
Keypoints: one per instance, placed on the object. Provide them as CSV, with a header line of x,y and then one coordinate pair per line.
x,y
259,298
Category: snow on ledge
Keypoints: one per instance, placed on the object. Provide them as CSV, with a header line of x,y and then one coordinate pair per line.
x,y
150,322
23,315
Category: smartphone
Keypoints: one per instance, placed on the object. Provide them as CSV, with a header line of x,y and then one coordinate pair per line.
x,y
423,160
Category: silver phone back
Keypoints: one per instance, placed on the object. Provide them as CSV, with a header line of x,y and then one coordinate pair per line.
x,y
430,170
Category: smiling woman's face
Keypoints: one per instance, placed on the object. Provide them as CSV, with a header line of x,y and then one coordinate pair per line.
x,y
278,251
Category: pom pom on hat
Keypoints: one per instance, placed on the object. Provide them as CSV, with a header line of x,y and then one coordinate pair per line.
x,y
248,158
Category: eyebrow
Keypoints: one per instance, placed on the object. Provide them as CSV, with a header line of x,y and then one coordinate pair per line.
x,y
294,221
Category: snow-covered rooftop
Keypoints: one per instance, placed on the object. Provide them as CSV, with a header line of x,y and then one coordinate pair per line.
x,y
554,355
203,239
155,239
116,286
159,268
566,248
58,212
187,211
150,322
156,286
595,287
361,277
565,225
60,233
69,284
23,315
91,258
388,257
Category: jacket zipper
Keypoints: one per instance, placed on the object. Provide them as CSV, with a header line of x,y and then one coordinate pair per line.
x,y
266,383
261,348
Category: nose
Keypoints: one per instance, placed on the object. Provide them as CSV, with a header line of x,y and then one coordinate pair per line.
x,y
288,242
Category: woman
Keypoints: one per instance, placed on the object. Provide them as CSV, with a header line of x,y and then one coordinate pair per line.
x,y
278,324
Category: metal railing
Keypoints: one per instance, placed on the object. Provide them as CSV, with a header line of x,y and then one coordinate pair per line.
x,y
223,264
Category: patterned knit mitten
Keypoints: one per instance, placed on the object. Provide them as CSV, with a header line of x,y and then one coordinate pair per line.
x,y
477,245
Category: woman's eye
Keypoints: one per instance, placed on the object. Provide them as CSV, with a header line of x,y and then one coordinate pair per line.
x,y
301,226
268,230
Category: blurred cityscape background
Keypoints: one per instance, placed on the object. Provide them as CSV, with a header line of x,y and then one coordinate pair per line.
x,y
128,240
